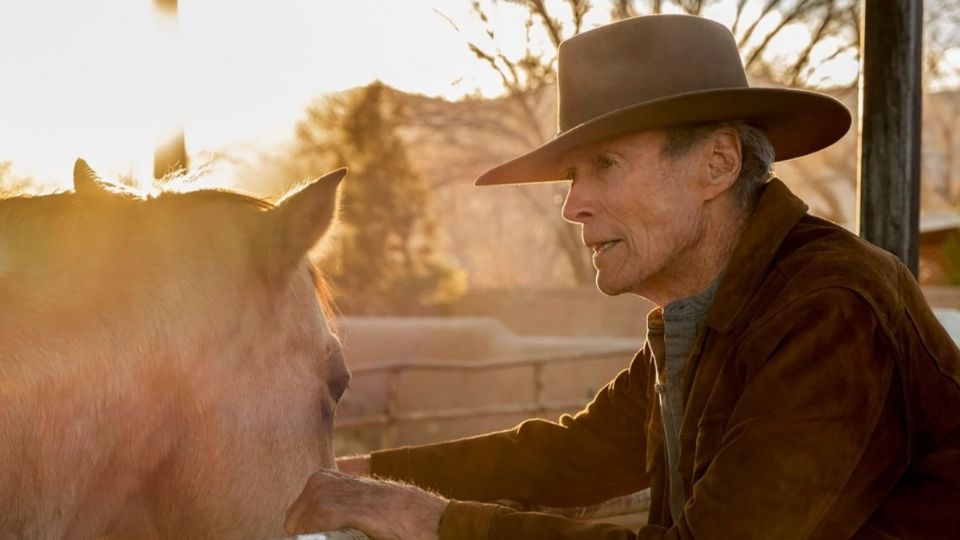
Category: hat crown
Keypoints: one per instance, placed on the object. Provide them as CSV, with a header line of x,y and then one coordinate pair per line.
x,y
643,59
667,70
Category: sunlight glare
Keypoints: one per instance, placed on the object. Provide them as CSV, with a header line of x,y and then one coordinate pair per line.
x,y
78,83
723,12
109,79
786,46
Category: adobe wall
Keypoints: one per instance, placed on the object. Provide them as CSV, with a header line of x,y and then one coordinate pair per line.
x,y
526,323
559,312
372,342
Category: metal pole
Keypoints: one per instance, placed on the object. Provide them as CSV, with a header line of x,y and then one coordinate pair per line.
x,y
890,114
171,156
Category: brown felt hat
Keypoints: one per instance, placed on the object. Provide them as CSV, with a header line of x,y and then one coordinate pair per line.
x,y
664,71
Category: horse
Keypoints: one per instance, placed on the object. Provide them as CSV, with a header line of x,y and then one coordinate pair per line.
x,y
167,364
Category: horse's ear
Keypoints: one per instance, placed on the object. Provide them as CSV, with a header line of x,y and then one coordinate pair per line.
x,y
86,181
301,219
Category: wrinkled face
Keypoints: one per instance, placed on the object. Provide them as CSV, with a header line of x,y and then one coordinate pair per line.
x,y
639,210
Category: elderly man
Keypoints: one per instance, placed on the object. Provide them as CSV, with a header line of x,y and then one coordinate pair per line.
x,y
794,383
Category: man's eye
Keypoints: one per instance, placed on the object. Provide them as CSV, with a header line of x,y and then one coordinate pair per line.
x,y
604,162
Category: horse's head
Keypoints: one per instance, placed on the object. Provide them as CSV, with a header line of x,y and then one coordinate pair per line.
x,y
166,359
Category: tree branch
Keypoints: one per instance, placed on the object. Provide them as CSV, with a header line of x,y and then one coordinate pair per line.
x,y
767,9
736,21
800,9
818,35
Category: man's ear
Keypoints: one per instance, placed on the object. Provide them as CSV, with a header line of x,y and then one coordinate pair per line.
x,y
300,221
723,162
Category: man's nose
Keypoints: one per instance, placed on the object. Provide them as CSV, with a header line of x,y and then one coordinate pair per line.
x,y
577,207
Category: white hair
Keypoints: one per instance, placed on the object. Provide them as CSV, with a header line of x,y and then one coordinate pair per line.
x,y
757,155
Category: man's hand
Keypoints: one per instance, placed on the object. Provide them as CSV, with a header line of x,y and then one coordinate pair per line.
x,y
358,465
383,510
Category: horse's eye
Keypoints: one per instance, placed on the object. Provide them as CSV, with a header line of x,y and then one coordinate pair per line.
x,y
338,386
338,376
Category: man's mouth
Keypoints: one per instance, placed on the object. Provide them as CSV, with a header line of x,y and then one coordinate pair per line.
x,y
600,247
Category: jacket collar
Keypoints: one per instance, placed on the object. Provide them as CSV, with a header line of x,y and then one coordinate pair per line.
x,y
777,211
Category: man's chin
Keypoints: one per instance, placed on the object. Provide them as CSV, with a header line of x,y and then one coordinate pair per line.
x,y
609,289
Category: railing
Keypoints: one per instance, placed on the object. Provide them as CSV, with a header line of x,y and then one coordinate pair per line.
x,y
391,417
629,510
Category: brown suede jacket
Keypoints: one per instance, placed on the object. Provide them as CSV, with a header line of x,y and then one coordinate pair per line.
x,y
823,402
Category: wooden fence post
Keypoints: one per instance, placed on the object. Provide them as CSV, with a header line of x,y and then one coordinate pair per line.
x,y
890,120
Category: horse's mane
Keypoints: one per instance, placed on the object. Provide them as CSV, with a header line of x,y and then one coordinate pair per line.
x,y
49,207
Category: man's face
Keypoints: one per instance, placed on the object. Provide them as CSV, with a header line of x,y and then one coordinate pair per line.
x,y
640,211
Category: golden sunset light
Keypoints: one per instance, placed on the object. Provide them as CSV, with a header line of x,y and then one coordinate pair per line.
x,y
455,269
110,79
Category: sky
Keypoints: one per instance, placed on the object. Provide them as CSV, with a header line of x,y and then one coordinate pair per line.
x,y
110,79
96,78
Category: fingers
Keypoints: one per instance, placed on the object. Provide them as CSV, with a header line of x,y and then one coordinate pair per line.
x,y
306,514
332,500
291,522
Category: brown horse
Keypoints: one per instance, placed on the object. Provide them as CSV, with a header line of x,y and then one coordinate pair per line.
x,y
166,366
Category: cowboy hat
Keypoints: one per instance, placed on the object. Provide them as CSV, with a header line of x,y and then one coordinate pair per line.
x,y
663,71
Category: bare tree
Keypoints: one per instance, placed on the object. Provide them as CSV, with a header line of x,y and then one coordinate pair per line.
x,y
756,30
941,25
528,82
385,249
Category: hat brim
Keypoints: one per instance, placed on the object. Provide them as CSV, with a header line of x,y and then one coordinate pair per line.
x,y
796,122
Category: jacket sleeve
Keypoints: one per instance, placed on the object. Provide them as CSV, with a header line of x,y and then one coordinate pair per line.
x,y
810,447
815,436
583,459
472,520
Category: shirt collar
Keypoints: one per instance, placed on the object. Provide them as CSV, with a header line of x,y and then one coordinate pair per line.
x,y
777,211
696,306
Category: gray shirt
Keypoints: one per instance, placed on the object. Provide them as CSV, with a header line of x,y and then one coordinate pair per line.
x,y
672,332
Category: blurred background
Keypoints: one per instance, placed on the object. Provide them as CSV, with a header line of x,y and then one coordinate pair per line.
x,y
463,309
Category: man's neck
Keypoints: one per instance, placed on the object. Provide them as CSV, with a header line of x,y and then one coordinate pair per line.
x,y
696,267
